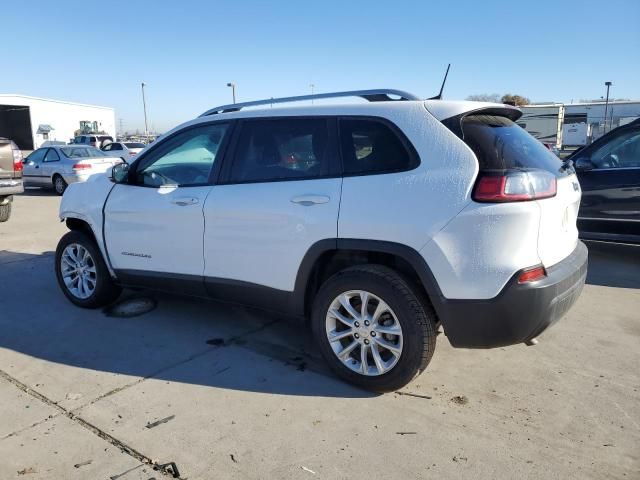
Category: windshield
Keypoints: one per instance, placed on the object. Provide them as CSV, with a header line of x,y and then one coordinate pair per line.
x,y
134,145
82,152
500,144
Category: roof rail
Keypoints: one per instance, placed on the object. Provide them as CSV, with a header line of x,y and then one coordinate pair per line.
x,y
376,95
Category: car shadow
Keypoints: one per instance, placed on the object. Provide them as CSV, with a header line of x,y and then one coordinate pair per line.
x,y
38,192
181,339
613,264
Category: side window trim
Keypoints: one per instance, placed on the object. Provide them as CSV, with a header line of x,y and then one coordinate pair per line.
x,y
44,159
333,149
414,157
217,164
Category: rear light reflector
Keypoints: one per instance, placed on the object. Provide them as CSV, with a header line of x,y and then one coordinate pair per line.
x,y
81,166
17,161
514,186
532,274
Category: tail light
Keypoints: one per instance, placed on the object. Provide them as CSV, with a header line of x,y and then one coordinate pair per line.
x,y
17,160
514,186
81,166
132,153
532,274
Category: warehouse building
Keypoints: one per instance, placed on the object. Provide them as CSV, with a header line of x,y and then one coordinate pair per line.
x,y
31,121
576,124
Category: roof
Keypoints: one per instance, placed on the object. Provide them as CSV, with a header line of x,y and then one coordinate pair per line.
x,y
17,95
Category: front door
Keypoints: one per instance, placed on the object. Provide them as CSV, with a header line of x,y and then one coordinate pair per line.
x,y
32,172
154,224
611,186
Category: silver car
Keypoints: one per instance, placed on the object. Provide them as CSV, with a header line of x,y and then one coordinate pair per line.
x,y
58,166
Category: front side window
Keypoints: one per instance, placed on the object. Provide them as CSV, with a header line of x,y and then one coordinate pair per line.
x,y
370,146
623,151
185,159
52,156
115,146
281,149
37,156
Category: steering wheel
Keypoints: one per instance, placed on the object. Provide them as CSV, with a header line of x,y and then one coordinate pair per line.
x,y
613,160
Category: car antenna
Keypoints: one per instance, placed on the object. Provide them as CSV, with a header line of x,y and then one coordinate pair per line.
x,y
439,96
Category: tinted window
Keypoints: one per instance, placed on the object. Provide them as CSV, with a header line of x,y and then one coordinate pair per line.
x,y
107,148
370,146
37,156
622,151
184,159
52,156
280,149
500,144
92,139
134,145
115,146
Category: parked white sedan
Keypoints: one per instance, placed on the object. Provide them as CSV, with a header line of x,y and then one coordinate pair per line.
x,y
58,166
124,150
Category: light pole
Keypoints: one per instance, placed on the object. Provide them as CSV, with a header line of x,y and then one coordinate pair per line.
x,y
233,90
144,106
313,87
606,105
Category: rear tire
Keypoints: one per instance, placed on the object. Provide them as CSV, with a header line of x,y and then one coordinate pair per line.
x,y
5,212
81,272
409,350
59,185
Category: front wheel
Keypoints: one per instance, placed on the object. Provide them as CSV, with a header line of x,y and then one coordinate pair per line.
x,y
81,272
372,329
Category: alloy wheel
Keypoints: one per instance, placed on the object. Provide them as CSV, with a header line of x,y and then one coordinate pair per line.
x,y
78,271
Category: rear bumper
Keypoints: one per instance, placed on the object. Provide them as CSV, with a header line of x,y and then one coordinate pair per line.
x,y
519,312
11,186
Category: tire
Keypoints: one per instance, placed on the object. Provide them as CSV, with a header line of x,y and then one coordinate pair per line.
x,y
104,291
5,212
59,185
415,318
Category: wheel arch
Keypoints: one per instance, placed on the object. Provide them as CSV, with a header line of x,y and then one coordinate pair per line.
x,y
77,222
327,257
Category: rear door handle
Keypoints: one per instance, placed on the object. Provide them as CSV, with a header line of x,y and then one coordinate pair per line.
x,y
184,201
308,200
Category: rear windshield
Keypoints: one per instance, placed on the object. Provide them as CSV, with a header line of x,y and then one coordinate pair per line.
x,y
82,152
134,145
500,144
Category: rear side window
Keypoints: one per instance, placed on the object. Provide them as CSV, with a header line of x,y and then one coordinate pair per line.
x,y
371,146
500,144
281,149
116,146
52,156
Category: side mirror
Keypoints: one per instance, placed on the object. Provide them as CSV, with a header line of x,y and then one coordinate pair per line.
x,y
120,173
581,164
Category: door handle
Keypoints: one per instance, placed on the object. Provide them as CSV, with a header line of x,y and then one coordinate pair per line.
x,y
184,201
308,200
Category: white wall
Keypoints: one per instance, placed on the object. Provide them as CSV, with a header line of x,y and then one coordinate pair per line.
x,y
64,117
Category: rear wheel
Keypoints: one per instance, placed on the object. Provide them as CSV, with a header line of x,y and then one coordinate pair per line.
x,y
5,212
81,272
372,329
59,185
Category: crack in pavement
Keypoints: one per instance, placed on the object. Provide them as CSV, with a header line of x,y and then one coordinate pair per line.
x,y
123,447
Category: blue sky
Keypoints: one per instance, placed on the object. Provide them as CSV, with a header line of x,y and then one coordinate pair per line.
x,y
186,51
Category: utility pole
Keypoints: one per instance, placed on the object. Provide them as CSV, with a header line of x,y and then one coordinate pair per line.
x,y
121,127
233,90
144,106
606,105
313,87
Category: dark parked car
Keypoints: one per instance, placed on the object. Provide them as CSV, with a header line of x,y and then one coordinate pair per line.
x,y
609,173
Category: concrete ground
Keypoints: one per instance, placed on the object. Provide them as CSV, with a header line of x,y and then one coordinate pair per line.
x,y
216,391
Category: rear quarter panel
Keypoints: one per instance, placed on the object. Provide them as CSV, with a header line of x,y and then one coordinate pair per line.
x,y
410,207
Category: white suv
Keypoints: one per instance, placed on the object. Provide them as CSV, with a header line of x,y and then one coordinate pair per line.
x,y
377,222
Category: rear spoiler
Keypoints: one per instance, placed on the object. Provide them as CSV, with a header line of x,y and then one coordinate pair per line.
x,y
451,116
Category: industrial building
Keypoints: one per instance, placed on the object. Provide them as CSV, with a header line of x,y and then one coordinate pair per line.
x,y
31,121
576,124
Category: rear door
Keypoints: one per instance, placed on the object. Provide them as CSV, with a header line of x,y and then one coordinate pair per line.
x,y
278,196
609,175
